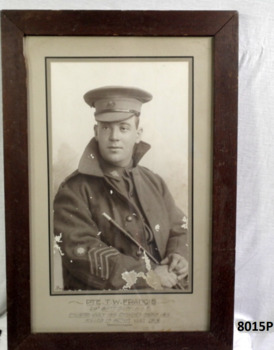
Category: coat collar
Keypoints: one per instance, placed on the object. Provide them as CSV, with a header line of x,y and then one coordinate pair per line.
x,y
90,161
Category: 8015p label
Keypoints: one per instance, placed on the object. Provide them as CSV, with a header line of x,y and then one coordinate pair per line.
x,y
257,326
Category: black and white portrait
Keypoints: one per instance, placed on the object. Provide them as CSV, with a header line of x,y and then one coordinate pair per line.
x,y
120,175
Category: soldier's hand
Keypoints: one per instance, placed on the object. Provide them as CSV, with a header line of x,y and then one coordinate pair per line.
x,y
177,264
167,279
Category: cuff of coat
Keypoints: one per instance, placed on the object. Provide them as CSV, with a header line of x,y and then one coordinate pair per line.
x,y
101,260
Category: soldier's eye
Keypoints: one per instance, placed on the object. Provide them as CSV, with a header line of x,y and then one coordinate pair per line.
x,y
124,128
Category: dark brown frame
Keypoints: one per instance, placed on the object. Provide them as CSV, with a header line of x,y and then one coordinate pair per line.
x,y
223,27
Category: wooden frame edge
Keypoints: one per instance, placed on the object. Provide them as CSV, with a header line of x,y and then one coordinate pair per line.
x,y
16,25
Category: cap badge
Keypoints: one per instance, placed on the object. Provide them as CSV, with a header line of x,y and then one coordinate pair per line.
x,y
110,104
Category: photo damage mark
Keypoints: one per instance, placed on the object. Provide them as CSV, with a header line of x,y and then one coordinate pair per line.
x,y
130,277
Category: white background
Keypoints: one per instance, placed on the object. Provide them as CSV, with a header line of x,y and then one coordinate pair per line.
x,y
254,299
164,119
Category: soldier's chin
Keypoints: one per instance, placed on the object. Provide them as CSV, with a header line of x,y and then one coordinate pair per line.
x,y
115,160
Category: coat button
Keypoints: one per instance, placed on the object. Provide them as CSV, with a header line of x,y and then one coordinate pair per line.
x,y
129,218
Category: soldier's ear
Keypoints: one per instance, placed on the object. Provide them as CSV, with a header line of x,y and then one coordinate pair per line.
x,y
139,135
95,128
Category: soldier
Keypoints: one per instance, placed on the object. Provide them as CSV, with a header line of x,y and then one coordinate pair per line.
x,y
146,226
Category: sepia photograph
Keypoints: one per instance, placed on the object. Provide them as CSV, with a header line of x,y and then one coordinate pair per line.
x,y
120,136
120,173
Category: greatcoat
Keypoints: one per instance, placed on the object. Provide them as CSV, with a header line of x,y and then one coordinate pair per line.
x,y
95,254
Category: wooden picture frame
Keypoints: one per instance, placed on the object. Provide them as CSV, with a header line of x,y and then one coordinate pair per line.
x,y
222,26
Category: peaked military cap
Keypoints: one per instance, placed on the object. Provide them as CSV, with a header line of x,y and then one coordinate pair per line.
x,y
116,103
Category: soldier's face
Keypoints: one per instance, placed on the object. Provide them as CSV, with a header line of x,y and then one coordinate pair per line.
x,y
116,140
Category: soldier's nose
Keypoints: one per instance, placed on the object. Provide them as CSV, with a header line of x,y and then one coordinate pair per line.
x,y
114,134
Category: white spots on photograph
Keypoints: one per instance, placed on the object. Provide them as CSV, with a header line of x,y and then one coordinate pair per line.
x,y
111,191
147,261
91,156
185,222
58,238
80,251
57,241
152,280
57,248
99,233
157,228
90,197
71,261
130,278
